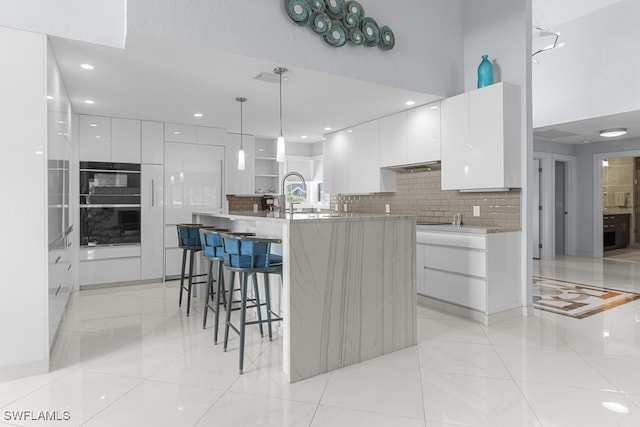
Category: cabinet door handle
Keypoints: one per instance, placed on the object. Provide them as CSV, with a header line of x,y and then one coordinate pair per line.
x,y
153,193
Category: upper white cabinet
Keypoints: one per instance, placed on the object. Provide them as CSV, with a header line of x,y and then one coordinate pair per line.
x,y
351,162
481,139
239,181
411,136
94,138
180,133
125,140
152,143
104,139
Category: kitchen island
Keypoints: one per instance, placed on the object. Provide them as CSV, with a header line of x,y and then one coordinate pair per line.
x,y
349,284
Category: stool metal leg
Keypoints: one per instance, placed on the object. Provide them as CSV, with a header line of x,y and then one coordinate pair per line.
x,y
267,297
216,304
228,318
256,294
191,260
221,287
184,262
243,313
209,293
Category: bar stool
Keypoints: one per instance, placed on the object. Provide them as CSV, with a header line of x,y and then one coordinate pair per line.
x,y
249,256
189,242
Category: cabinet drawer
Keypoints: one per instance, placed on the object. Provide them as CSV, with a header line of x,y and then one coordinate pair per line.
x,y
109,270
462,290
456,260
463,240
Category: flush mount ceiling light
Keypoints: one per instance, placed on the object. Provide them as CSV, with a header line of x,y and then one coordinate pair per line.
x,y
612,133
280,148
86,66
89,101
327,128
197,115
241,165
543,33
409,103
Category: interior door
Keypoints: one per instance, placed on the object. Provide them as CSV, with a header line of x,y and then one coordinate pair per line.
x,y
537,212
560,208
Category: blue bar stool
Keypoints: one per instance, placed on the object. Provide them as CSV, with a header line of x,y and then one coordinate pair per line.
x,y
212,251
249,256
189,242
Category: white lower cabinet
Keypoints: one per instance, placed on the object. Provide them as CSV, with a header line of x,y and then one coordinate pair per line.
x,y
109,264
478,271
152,213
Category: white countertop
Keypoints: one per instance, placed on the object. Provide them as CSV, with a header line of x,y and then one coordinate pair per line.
x,y
476,229
301,216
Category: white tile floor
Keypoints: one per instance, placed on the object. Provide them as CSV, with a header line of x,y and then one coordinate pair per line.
x,y
130,357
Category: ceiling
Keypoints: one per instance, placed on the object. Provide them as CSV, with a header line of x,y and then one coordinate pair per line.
x,y
585,131
158,80
551,13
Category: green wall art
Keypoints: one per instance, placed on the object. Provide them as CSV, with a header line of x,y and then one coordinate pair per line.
x,y
340,22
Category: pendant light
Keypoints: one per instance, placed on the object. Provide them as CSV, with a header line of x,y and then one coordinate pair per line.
x,y
241,165
280,155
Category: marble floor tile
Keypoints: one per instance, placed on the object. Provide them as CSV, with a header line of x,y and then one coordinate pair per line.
x,y
403,359
83,394
622,372
76,348
578,407
372,389
12,390
155,403
475,401
446,329
244,410
551,367
329,416
461,358
525,332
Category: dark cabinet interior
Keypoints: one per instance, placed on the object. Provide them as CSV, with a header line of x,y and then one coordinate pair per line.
x,y
616,231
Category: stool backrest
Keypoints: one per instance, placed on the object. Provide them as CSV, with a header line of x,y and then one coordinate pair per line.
x,y
247,251
212,242
189,234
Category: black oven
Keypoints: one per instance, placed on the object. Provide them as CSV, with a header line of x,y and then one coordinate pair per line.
x,y
109,203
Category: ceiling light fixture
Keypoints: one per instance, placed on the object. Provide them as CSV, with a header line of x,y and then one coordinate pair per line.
x,y
327,128
434,107
241,165
197,114
86,66
612,133
280,146
409,103
605,163
49,97
93,125
349,131
89,101
304,137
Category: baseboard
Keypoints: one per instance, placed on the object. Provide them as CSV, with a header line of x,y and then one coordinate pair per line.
x,y
475,315
24,370
119,284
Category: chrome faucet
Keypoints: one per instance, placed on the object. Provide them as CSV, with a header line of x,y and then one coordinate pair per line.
x,y
283,195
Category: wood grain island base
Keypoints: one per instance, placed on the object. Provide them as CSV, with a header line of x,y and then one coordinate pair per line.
x,y
349,286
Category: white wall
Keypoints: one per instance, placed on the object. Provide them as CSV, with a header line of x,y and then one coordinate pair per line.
x,y
596,73
23,108
553,147
426,58
97,21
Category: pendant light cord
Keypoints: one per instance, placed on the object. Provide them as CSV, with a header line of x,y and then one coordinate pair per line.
x,y
241,125
281,71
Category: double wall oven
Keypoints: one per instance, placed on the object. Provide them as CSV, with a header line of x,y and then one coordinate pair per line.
x,y
109,203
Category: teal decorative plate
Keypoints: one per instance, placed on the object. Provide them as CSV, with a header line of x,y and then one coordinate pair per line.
x,y
355,8
370,31
356,37
387,39
317,6
350,20
335,8
321,24
337,35
299,11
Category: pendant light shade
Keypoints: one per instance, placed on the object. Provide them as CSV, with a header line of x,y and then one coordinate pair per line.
x,y
241,163
280,146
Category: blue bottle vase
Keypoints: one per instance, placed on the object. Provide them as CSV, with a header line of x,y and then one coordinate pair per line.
x,y
485,72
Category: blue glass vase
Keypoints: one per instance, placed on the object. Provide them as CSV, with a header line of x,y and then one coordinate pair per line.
x,y
485,72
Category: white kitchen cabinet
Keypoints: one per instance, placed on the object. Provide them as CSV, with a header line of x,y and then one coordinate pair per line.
x,y
211,136
152,142
481,139
94,138
109,264
393,140
478,271
421,283
423,134
152,242
336,163
180,133
125,140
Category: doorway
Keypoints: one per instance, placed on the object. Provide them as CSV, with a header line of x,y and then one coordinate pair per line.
x,y
560,207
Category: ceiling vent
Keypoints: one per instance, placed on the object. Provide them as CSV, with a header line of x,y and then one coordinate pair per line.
x,y
270,78
553,134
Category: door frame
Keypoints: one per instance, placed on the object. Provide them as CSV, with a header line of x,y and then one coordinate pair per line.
x,y
547,199
597,196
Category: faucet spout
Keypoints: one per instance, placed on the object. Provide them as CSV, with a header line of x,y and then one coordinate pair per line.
x,y
283,195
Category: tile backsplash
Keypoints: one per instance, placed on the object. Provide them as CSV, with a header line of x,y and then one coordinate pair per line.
x,y
419,194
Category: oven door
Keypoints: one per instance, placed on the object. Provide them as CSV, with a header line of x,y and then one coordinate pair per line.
x,y
109,225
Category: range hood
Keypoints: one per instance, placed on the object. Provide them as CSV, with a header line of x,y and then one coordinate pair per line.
x,y
417,167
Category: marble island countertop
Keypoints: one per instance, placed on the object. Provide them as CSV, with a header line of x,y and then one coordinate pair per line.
x,y
273,216
476,229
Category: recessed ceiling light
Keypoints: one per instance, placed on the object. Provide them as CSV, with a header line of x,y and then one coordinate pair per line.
x,y
434,107
61,122
616,407
93,125
89,101
327,128
87,66
197,115
49,97
410,103
612,133
324,139
98,137
349,131
176,132
304,137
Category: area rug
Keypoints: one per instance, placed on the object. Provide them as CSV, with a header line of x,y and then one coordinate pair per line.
x,y
576,300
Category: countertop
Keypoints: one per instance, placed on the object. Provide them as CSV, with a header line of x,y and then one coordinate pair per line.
x,y
476,229
301,216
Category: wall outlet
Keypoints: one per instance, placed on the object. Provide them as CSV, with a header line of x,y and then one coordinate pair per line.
x,y
476,211
345,207
387,208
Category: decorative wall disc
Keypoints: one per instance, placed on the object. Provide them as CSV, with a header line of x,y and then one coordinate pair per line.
x,y
299,11
355,8
356,37
335,8
321,24
387,39
370,31
337,35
